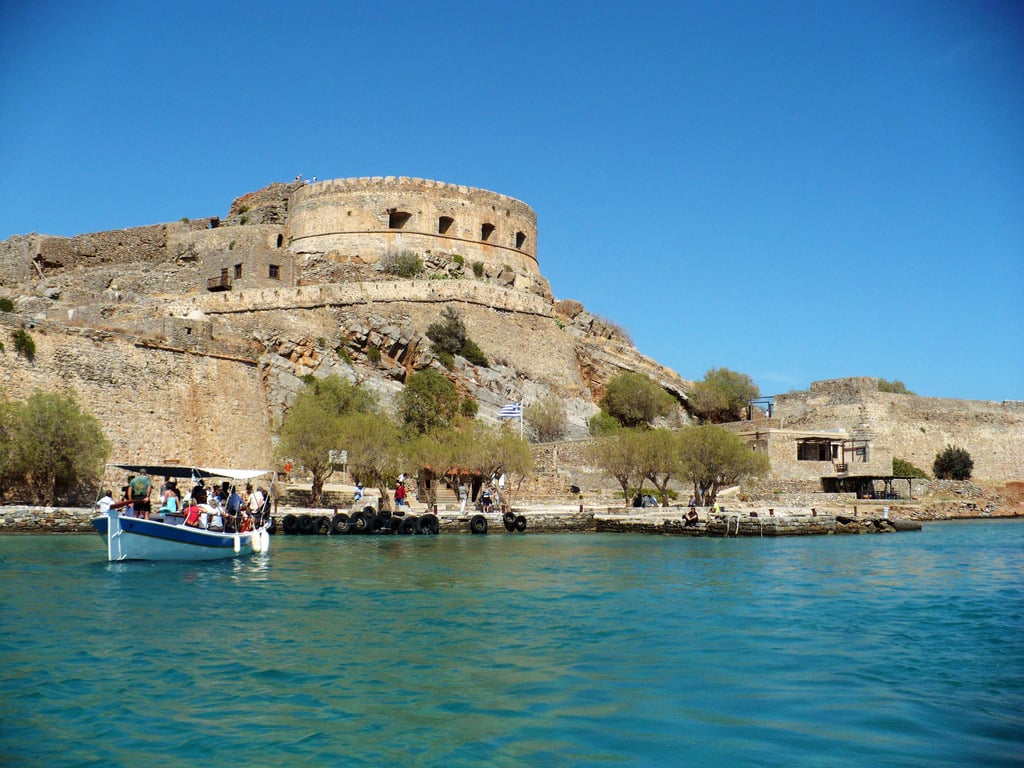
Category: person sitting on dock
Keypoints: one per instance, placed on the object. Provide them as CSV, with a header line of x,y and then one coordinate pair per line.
x,y
691,518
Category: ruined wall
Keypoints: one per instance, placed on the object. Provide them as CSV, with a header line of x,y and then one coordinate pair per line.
x,y
155,404
914,428
364,218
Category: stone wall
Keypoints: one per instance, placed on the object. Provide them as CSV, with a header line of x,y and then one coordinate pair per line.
x,y
911,427
157,404
366,217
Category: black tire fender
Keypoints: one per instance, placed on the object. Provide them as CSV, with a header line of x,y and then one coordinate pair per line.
x,y
290,524
410,525
520,523
429,525
478,524
339,523
306,524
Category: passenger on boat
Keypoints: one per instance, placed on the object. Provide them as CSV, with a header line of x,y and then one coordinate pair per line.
x,y
192,515
141,488
199,495
169,501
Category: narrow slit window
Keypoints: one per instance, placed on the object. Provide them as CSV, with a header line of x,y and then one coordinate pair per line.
x,y
486,231
280,240
444,223
238,271
520,239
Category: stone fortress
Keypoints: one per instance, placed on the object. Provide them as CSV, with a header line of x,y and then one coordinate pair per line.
x,y
189,340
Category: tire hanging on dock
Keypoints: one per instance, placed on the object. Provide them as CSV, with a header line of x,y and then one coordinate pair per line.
x,y
339,523
429,525
306,524
520,523
410,525
478,524
290,524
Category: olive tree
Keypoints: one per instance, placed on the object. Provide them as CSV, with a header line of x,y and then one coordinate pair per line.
x,y
635,400
722,395
621,456
495,451
375,453
713,458
547,418
312,427
661,459
51,447
429,401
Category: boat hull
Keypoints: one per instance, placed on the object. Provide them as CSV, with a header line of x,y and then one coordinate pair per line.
x,y
130,538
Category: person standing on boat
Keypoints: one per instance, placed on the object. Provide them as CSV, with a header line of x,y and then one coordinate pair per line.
x,y
141,487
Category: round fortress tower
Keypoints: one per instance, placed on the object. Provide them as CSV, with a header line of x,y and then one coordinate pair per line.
x,y
364,218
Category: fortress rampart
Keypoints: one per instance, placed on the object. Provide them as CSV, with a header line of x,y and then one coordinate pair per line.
x,y
912,427
364,218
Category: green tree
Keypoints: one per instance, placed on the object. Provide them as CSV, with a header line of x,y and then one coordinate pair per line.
x,y
895,386
24,344
375,452
903,468
495,451
449,335
635,400
714,458
722,395
429,401
434,454
661,459
603,423
54,450
952,463
621,456
312,427
547,418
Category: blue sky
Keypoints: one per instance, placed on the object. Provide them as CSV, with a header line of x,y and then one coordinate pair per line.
x,y
797,191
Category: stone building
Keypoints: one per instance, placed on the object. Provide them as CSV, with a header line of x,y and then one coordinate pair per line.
x,y
363,219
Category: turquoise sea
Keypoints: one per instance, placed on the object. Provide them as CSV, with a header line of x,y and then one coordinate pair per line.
x,y
525,650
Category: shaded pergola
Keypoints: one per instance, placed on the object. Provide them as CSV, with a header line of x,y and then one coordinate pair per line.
x,y
864,485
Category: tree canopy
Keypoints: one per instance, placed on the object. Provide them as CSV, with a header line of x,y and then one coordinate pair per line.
x,y
50,448
952,463
312,427
722,395
429,401
713,458
634,400
546,418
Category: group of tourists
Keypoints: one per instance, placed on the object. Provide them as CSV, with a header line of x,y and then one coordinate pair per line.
x,y
221,508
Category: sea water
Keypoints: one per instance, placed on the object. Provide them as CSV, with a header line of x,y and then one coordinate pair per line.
x,y
520,650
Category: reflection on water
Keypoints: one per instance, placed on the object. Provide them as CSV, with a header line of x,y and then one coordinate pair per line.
x,y
520,650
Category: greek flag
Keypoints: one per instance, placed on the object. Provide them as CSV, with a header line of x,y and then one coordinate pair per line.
x,y
511,411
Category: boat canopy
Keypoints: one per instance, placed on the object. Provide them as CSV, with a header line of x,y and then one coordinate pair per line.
x,y
183,470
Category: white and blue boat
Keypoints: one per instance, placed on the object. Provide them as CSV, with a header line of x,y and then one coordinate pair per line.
x,y
168,538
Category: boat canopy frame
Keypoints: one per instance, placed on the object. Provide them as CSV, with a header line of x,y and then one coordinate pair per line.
x,y
185,470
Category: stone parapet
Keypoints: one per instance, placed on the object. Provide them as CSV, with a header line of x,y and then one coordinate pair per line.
x,y
363,218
